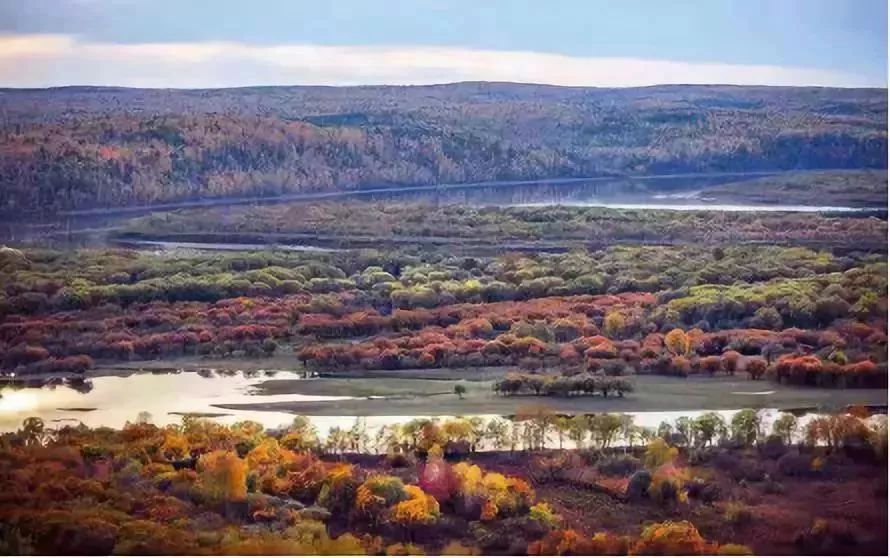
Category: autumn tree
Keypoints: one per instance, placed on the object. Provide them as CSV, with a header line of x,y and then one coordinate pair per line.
x,y
785,427
223,476
671,538
614,324
659,452
677,342
756,367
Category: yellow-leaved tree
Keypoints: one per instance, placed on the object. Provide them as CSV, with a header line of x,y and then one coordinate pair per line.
x,y
677,342
224,476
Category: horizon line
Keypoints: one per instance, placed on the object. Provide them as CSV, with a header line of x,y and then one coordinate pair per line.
x,y
436,84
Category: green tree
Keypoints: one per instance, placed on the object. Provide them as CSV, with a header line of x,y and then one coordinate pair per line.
x,y
707,427
578,429
745,426
785,427
337,441
683,427
659,452
605,428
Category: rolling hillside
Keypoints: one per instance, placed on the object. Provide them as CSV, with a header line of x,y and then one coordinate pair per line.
x,y
85,147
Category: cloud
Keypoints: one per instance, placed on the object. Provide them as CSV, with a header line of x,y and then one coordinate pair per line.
x,y
54,60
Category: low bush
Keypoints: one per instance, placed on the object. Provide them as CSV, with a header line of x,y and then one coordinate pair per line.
x,y
794,464
703,491
827,537
737,513
620,466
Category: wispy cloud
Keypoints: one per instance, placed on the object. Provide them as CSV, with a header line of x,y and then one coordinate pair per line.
x,y
51,60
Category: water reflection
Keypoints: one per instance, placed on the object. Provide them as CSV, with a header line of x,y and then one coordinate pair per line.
x,y
166,395
679,192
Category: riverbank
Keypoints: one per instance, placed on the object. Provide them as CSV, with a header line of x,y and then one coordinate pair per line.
x,y
398,396
113,397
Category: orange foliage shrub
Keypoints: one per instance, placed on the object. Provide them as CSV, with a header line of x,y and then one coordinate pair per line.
x,y
419,509
677,342
671,538
377,493
568,542
223,475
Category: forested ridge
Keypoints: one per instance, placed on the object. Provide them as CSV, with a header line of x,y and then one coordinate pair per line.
x,y
83,147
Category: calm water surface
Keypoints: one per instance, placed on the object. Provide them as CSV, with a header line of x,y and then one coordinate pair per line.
x,y
674,192
114,400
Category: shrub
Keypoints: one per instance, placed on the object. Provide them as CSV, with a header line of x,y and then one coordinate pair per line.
x,y
737,513
404,549
732,549
671,538
619,466
339,489
457,548
419,509
436,478
399,459
638,486
705,492
565,542
379,492
659,452
826,537
542,513
793,464
756,367
773,447
773,487
223,476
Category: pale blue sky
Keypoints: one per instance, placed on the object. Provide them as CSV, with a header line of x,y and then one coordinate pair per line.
x,y
845,39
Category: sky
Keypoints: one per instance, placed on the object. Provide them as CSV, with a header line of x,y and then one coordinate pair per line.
x,y
606,43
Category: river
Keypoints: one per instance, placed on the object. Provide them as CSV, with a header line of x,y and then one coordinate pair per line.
x,y
112,400
679,192
120,396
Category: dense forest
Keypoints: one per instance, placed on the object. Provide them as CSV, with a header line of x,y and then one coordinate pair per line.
x,y
87,147
697,487
790,314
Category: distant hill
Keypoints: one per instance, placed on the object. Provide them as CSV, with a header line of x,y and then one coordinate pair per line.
x,y
83,147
